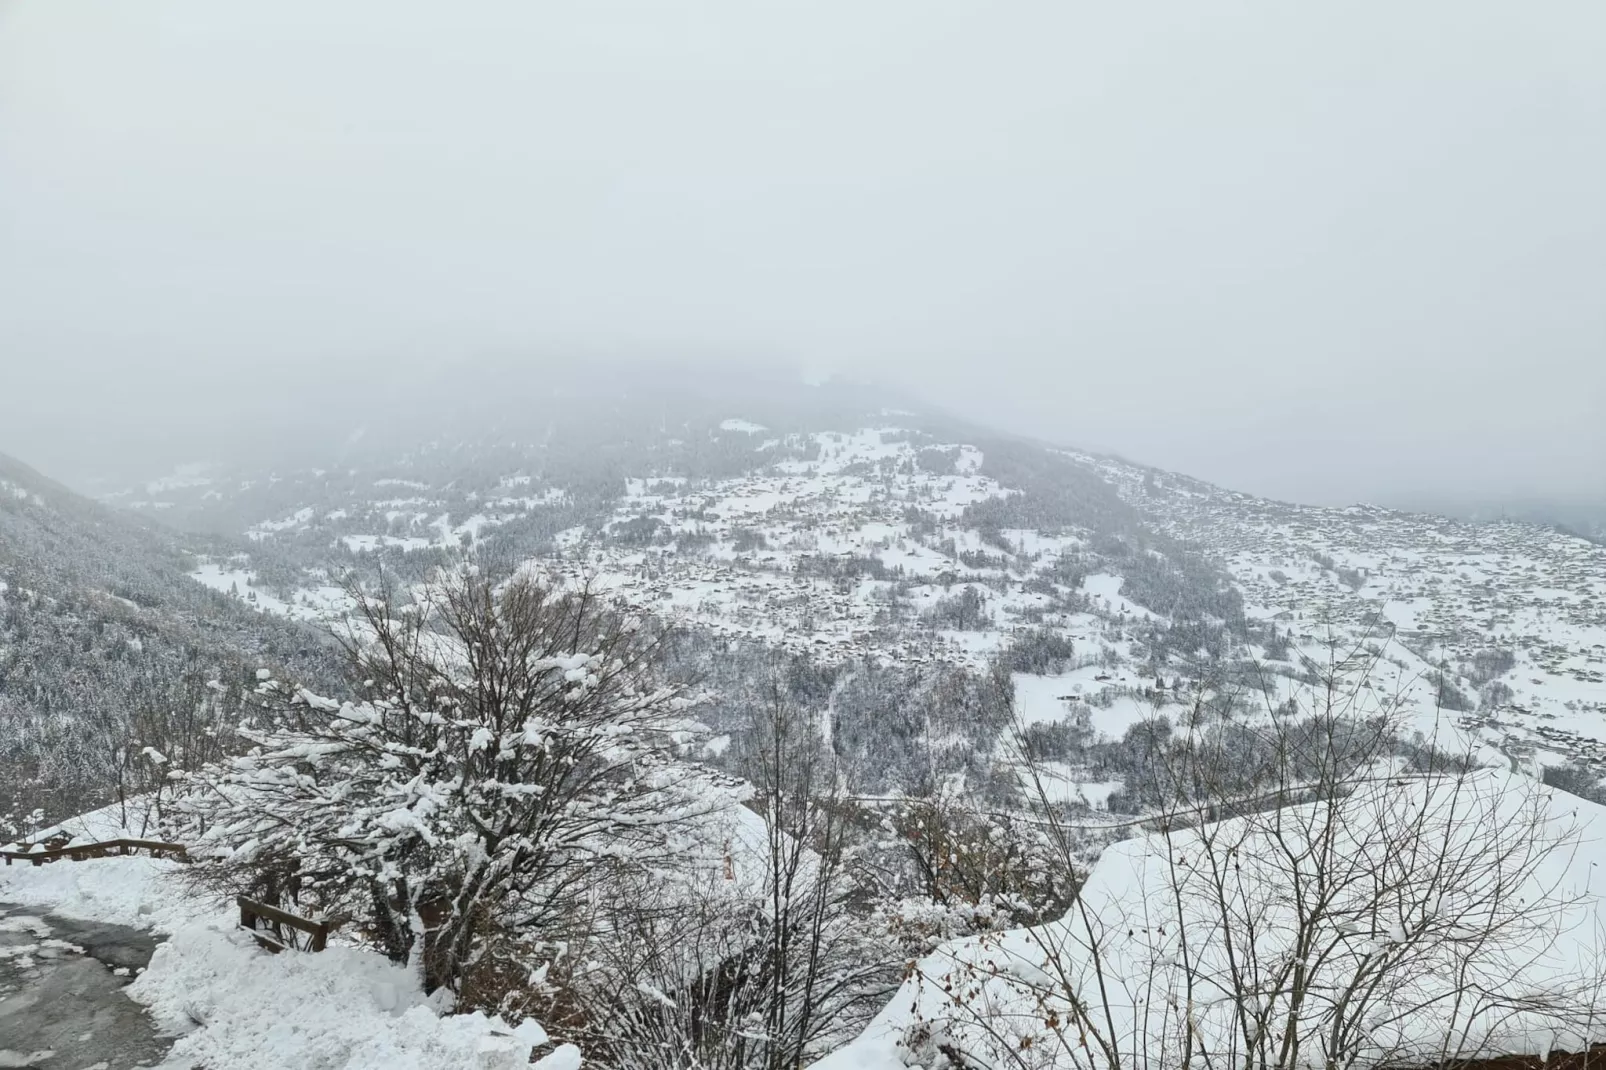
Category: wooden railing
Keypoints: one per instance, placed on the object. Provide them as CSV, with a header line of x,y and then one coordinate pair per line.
x,y
273,938
252,913
77,852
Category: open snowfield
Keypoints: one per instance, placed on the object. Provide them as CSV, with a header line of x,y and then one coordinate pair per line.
x,y
321,602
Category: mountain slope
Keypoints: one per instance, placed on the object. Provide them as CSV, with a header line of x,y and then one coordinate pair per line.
x,y
100,624
834,527
1512,615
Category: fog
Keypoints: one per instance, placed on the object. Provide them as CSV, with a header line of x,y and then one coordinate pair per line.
x,y
1326,252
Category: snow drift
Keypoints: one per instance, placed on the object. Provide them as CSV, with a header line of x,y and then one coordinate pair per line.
x,y
1409,921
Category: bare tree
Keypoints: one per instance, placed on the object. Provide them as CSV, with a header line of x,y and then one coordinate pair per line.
x,y
506,741
757,957
1302,897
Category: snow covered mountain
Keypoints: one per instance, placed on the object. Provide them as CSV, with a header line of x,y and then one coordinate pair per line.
x,y
99,624
829,526
910,587
1513,615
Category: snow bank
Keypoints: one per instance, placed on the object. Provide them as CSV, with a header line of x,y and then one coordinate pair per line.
x,y
109,822
130,890
1538,977
241,1008
134,890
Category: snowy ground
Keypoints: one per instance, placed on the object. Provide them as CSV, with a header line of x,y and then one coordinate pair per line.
x,y
233,1006
1121,946
319,603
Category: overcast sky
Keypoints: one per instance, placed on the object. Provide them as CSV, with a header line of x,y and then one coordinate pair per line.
x,y
1327,251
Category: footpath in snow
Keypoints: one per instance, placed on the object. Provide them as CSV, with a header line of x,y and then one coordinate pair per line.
x,y
61,994
226,1004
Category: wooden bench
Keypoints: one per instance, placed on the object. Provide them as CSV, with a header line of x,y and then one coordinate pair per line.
x,y
278,920
77,852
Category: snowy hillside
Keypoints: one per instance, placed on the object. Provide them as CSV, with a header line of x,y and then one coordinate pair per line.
x,y
914,541
1513,614
99,625
1185,944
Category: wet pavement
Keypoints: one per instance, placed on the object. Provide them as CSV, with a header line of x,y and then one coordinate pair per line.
x,y
62,1004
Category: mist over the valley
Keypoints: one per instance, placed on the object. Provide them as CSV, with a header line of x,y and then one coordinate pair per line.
x,y
1312,254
